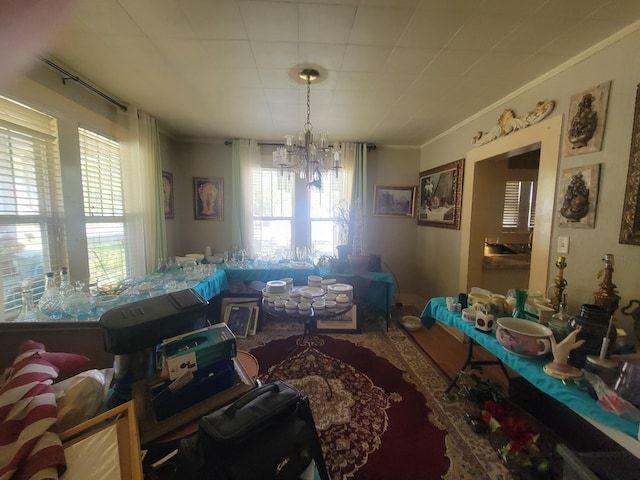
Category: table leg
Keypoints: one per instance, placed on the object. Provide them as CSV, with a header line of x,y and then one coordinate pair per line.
x,y
469,362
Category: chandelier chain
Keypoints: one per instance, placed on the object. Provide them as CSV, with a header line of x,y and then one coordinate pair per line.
x,y
308,99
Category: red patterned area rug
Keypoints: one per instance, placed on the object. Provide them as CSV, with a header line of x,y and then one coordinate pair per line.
x,y
388,417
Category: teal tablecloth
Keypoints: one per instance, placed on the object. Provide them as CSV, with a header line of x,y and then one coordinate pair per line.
x,y
299,275
530,369
213,285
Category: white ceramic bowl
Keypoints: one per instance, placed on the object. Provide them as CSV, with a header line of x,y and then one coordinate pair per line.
x,y
411,323
197,256
523,337
214,260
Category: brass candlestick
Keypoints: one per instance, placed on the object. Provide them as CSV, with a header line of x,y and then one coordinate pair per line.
x,y
607,296
559,283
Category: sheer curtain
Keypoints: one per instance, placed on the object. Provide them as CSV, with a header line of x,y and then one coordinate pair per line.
x,y
142,183
245,157
354,158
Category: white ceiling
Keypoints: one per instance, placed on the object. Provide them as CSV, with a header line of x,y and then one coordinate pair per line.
x,y
399,72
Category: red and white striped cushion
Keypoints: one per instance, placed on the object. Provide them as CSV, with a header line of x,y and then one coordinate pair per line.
x,y
29,444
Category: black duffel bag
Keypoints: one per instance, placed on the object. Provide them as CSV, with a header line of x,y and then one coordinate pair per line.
x,y
267,433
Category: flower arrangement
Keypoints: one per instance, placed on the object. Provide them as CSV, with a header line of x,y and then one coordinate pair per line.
x,y
517,443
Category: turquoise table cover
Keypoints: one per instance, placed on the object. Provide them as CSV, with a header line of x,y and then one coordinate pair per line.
x,y
379,295
530,369
299,275
213,285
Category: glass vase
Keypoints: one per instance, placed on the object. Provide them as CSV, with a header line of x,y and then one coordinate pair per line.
x,y
50,303
521,300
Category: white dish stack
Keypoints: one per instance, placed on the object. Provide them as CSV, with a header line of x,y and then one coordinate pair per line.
x,y
323,295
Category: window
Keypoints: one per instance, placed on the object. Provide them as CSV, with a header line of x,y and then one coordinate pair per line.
x,y
323,205
103,207
519,205
32,239
272,212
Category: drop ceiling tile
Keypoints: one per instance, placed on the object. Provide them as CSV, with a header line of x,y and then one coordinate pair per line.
x,y
228,53
103,16
364,59
379,26
159,17
429,29
325,23
274,21
329,56
451,63
410,61
275,54
532,34
354,81
216,20
276,78
281,96
484,31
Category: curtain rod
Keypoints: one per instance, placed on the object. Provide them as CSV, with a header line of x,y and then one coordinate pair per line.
x,y
75,78
268,144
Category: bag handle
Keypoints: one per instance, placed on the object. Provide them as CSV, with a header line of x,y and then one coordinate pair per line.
x,y
249,397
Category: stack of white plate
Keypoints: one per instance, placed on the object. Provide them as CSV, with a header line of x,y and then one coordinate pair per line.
x,y
341,288
276,286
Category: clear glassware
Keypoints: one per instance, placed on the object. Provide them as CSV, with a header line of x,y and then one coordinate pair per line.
x,y
559,323
50,304
78,303
65,286
29,312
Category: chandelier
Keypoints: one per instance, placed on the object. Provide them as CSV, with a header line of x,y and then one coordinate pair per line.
x,y
300,154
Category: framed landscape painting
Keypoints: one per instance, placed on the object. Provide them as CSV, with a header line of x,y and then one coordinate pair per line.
x,y
440,195
394,200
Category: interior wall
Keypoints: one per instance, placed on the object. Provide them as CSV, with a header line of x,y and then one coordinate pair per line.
x,y
438,249
393,238
191,160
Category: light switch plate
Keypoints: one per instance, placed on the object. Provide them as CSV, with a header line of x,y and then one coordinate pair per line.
x,y
563,244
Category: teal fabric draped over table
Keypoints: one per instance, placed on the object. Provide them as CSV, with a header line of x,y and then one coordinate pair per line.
x,y
299,275
211,286
531,369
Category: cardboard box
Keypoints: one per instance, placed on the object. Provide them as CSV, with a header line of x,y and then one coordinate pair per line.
x,y
198,349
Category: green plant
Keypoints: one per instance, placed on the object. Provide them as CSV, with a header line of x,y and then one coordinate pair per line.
x,y
474,390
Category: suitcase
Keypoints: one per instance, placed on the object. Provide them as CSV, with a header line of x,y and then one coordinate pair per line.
x,y
267,433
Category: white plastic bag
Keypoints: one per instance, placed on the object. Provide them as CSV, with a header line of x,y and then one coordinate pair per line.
x,y
81,397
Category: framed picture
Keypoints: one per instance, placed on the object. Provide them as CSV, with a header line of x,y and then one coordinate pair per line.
x,y
440,195
207,198
167,194
253,321
110,440
630,225
587,115
237,318
394,200
579,196
347,323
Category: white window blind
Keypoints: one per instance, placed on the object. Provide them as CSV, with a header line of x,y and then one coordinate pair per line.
x,y
519,210
32,240
272,212
511,211
103,207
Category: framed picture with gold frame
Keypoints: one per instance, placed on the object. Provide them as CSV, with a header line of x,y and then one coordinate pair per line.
x,y
440,195
630,225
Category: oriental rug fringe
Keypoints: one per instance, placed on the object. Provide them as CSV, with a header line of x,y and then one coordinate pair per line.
x,y
388,417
